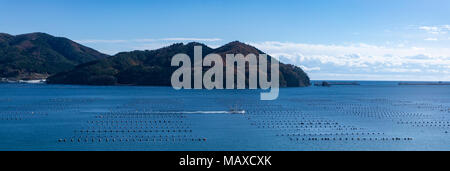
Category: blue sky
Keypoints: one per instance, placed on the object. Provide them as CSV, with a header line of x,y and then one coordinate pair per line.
x,y
330,39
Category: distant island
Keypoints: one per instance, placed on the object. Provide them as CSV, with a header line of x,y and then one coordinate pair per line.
x,y
62,61
424,83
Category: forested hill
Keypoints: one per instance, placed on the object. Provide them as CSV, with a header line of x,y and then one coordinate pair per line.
x,y
38,55
152,67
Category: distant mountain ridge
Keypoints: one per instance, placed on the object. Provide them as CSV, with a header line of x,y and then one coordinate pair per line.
x,y
38,55
152,67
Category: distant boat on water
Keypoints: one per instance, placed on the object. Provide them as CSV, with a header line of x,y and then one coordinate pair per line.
x,y
235,110
328,84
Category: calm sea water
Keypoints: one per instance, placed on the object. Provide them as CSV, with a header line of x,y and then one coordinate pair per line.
x,y
371,116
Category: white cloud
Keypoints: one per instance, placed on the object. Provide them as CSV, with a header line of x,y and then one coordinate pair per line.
x,y
310,69
353,53
192,39
100,41
436,30
144,40
150,46
431,39
362,58
400,70
372,76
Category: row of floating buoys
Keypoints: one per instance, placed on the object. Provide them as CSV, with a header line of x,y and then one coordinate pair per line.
x,y
295,124
300,121
23,113
162,136
423,122
158,136
135,131
115,116
331,134
10,119
10,116
152,125
135,121
352,139
302,126
131,139
77,100
430,125
296,127
318,129
137,127
146,126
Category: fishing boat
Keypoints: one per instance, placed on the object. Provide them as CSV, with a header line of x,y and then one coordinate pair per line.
x,y
237,111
